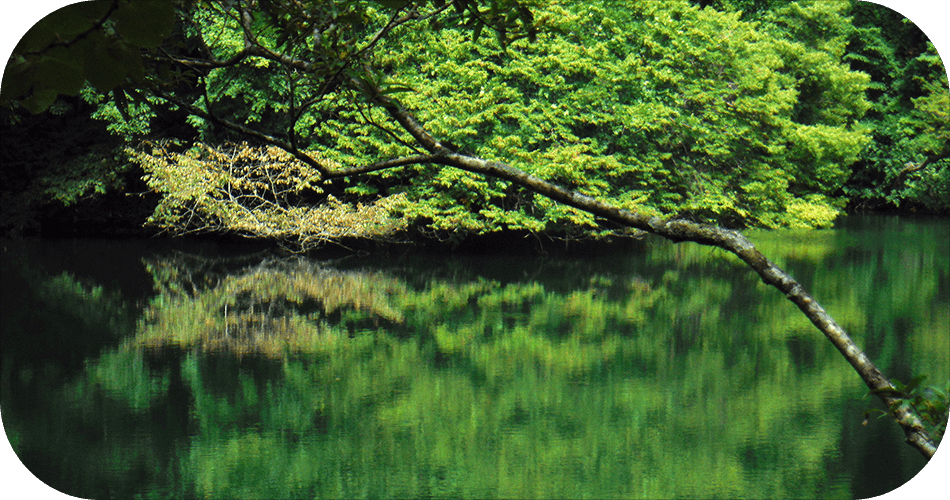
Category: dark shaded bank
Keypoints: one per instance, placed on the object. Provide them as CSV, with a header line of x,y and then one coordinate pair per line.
x,y
122,214
513,244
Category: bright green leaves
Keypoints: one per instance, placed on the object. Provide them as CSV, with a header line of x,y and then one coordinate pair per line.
x,y
509,19
933,109
98,42
660,106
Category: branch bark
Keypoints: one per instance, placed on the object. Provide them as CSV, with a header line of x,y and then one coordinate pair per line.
x,y
683,230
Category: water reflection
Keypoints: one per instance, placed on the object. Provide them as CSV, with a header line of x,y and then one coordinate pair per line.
x,y
664,372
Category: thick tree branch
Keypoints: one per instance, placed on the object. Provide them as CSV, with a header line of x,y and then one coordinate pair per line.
x,y
682,230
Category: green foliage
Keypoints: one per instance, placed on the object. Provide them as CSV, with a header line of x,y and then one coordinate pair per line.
x,y
659,107
655,107
742,113
910,95
933,108
930,403
92,173
126,118
61,175
256,192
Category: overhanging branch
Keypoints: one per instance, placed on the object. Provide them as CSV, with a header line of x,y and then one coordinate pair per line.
x,y
682,230
674,230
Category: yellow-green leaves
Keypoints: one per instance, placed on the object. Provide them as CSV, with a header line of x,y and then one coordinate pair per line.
x,y
257,192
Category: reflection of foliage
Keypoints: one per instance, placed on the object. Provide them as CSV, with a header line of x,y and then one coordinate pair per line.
x,y
521,326
259,192
93,305
63,302
124,375
481,382
423,379
272,308
783,247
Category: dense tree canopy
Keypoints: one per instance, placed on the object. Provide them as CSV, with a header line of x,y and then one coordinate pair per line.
x,y
905,165
647,107
740,113
658,106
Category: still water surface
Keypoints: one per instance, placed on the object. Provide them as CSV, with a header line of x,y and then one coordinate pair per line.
x,y
141,369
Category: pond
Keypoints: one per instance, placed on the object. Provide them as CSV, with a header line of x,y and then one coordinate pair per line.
x,y
141,369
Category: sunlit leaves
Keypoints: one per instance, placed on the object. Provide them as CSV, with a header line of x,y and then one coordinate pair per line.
x,y
256,192
697,115
692,113
933,108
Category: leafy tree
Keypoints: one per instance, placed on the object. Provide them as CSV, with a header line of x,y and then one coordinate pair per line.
x,y
321,67
697,136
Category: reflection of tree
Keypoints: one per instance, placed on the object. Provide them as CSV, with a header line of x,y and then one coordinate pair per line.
x,y
469,386
54,318
272,307
277,378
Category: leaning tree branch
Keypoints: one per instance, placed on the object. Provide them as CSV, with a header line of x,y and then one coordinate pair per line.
x,y
673,229
678,230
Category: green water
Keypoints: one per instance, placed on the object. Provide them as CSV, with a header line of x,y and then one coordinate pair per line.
x,y
136,369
